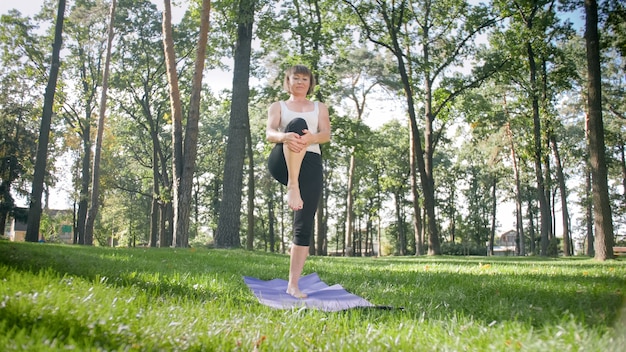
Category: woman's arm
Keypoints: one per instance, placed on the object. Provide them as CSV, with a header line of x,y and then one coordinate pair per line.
x,y
323,128
272,133
323,125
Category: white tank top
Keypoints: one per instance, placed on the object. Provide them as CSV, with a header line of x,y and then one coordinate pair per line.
x,y
311,118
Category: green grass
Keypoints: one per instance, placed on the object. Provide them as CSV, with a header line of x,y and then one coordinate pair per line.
x,y
55,297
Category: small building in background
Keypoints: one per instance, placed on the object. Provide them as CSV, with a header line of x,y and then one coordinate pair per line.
x,y
58,228
505,243
17,230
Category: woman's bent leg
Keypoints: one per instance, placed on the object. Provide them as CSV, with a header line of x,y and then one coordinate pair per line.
x,y
285,165
294,162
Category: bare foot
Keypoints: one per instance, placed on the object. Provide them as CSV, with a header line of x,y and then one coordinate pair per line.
x,y
293,198
294,291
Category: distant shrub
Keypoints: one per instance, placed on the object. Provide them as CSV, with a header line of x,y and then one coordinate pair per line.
x,y
454,248
553,247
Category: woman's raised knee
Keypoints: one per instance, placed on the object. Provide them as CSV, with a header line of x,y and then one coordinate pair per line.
x,y
297,125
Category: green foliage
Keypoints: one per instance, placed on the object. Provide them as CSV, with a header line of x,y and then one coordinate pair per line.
x,y
615,25
90,298
463,249
394,239
553,247
479,117
22,63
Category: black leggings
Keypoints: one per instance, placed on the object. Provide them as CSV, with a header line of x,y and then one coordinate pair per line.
x,y
310,181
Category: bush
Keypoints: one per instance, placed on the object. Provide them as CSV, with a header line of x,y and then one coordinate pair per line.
x,y
553,247
454,248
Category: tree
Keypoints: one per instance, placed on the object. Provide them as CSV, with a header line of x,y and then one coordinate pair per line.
x,y
603,222
139,95
185,152
360,72
227,235
82,73
212,147
427,39
95,182
538,75
613,43
34,211
529,17
23,68
391,156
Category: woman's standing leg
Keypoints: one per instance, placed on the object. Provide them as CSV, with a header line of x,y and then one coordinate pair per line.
x,y
296,264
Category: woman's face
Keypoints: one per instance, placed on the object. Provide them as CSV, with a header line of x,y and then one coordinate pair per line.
x,y
299,83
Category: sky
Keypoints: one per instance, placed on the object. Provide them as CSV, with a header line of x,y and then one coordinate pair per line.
x,y
217,79
30,7
26,7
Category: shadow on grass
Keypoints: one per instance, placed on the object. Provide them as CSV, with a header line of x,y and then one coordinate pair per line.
x,y
160,271
537,291
62,327
538,297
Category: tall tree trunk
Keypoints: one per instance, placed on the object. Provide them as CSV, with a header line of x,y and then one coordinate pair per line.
x,y
531,228
177,117
379,230
622,153
417,211
567,250
95,182
397,203
166,219
251,191
271,221
547,172
84,126
549,127
541,193
426,172
160,216
155,210
360,108
520,250
321,222
34,211
154,204
190,144
227,235
368,225
588,203
494,210
604,237
426,182
83,201
349,204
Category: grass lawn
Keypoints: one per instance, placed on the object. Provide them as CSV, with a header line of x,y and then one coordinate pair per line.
x,y
56,297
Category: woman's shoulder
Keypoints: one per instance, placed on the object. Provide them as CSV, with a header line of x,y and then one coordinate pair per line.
x,y
321,106
276,105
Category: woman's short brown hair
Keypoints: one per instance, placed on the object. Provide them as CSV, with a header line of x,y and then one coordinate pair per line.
x,y
299,70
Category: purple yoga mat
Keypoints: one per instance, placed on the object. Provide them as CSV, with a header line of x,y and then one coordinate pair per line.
x,y
320,295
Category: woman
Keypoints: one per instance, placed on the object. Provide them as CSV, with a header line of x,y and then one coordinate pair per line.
x,y
298,126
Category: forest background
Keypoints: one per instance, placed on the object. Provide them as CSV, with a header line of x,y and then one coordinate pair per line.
x,y
477,91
